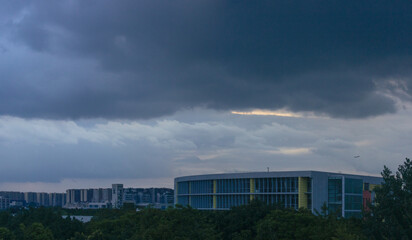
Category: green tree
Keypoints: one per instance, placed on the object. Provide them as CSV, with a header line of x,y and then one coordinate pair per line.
x,y
37,231
78,236
240,222
289,224
391,215
5,234
303,224
242,235
96,235
175,224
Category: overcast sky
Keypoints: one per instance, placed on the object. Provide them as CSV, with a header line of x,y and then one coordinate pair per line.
x,y
140,92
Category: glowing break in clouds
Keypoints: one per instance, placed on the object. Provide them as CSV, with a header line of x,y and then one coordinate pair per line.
x,y
280,113
290,151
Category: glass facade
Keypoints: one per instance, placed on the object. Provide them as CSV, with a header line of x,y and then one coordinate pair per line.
x,y
353,186
201,201
228,201
350,199
276,185
353,202
183,188
309,201
286,200
227,193
353,197
335,195
233,185
183,200
205,186
344,194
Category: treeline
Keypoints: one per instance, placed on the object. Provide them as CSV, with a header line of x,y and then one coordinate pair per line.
x,y
389,218
254,221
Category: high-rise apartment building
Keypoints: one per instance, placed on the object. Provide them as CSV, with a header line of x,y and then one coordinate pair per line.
x,y
57,199
30,198
72,196
12,196
106,195
86,195
42,199
117,195
4,203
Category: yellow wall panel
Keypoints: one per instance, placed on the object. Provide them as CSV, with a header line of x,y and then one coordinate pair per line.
x,y
303,188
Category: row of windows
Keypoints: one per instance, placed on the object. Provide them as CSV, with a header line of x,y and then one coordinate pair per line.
x,y
242,185
183,188
353,185
204,186
228,201
353,202
276,184
233,185
201,201
286,200
334,190
183,200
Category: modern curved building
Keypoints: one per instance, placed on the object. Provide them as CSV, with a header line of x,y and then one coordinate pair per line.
x,y
345,194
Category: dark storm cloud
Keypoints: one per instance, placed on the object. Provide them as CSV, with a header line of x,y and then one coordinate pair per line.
x,y
156,57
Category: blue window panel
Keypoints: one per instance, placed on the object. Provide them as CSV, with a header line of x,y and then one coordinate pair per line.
x,y
353,202
183,187
354,186
335,196
183,200
263,185
335,190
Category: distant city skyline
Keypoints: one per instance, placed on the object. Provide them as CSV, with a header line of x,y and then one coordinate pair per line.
x,y
86,184
90,198
140,92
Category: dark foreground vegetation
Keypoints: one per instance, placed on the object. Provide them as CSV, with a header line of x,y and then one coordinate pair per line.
x,y
390,218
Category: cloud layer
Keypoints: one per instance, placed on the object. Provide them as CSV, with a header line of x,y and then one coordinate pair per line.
x,y
144,59
51,151
108,90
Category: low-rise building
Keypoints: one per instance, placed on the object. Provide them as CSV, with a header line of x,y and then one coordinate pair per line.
x,y
342,193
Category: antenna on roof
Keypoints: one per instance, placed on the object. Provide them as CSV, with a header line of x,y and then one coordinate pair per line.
x,y
268,169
